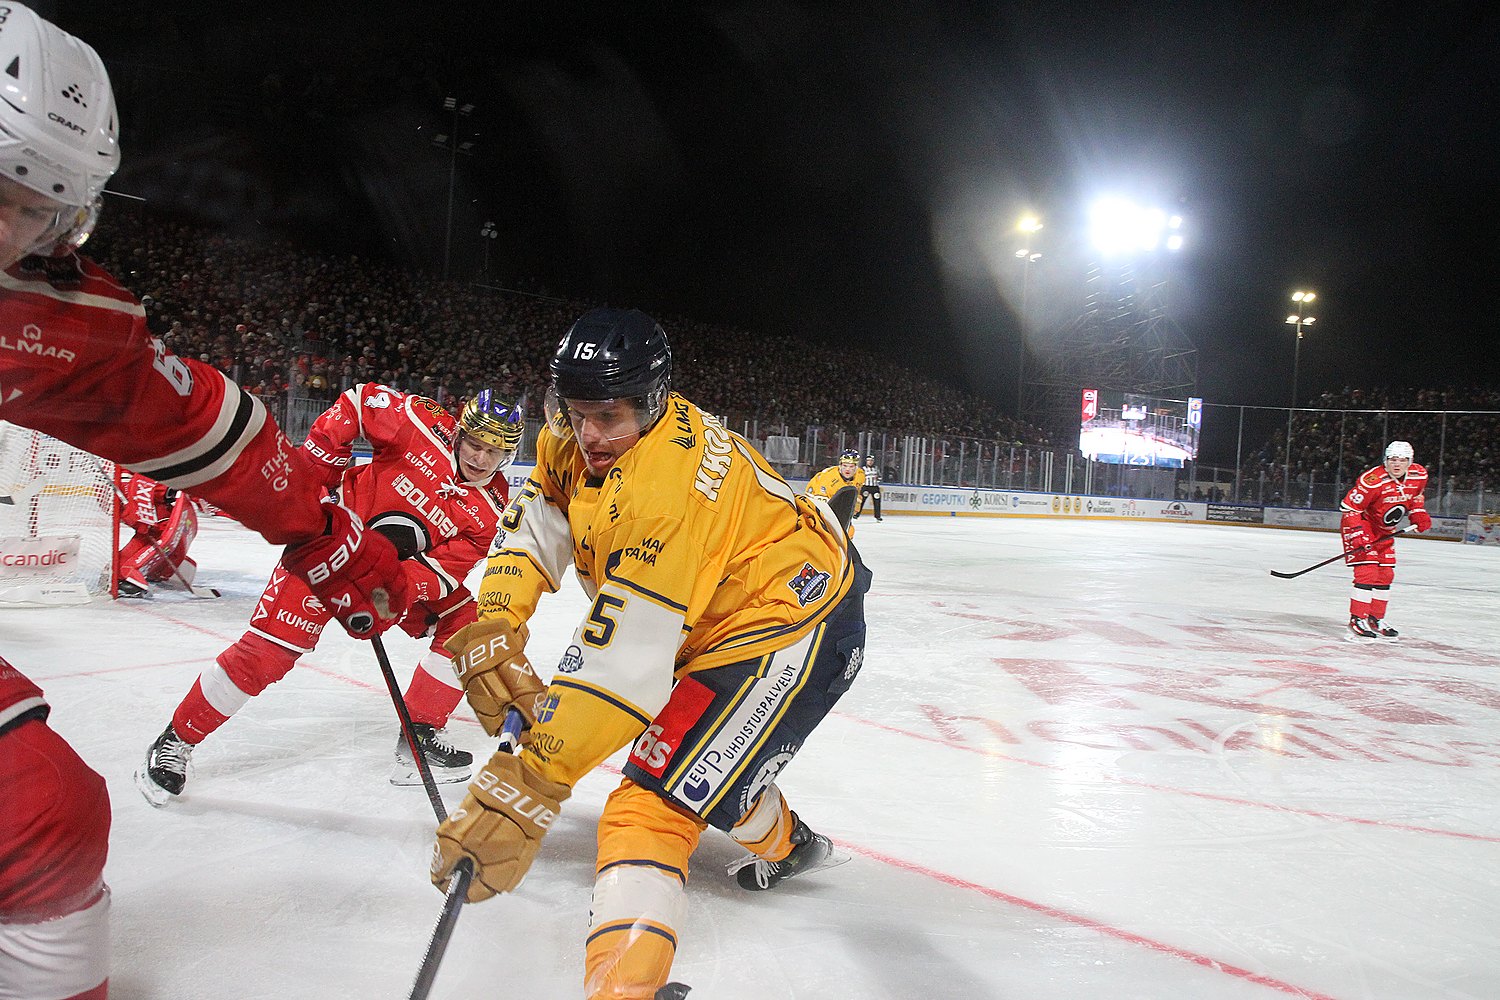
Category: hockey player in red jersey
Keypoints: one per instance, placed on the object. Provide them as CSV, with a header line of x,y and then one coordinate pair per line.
x,y
163,524
434,485
77,362
1371,512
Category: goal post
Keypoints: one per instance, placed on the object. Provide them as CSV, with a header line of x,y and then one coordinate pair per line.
x,y
59,521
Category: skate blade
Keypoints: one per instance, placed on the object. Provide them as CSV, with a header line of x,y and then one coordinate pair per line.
x,y
402,776
835,858
1363,640
151,791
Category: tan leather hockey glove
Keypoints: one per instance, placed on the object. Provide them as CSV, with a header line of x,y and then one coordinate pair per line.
x,y
500,825
490,660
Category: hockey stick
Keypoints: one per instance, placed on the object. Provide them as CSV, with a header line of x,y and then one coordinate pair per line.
x,y
202,593
458,888
406,730
1341,555
24,493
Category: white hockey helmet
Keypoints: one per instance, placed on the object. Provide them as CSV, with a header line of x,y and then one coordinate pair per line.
x,y
58,134
1400,449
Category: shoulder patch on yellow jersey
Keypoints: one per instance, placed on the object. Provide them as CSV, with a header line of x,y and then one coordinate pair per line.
x,y
810,584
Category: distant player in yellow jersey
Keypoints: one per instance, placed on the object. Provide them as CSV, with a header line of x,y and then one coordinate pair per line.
x,y
727,618
840,485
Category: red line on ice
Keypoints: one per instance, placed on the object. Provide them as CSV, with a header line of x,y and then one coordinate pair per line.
x,y
1089,922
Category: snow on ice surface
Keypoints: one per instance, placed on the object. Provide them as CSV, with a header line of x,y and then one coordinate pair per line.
x,y
1083,759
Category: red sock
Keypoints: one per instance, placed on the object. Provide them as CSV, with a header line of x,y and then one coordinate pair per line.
x,y
195,718
429,700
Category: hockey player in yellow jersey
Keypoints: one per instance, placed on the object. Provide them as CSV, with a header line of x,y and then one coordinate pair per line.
x,y
840,485
726,619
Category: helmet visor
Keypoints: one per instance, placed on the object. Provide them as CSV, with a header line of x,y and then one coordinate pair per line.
x,y
600,420
37,224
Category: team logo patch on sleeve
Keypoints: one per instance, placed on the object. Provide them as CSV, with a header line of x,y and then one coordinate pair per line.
x,y
809,585
571,662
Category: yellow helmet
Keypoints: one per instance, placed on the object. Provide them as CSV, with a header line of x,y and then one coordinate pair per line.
x,y
490,419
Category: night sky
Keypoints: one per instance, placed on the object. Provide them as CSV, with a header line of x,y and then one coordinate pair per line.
x,y
853,172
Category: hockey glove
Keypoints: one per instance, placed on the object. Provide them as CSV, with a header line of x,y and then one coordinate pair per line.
x,y
353,572
490,660
1422,520
1356,538
421,619
500,825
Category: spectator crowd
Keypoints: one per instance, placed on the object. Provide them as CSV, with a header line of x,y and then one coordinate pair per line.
x,y
287,322
1338,435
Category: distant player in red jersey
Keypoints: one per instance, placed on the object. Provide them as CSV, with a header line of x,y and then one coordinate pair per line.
x,y
434,486
163,524
77,362
1372,511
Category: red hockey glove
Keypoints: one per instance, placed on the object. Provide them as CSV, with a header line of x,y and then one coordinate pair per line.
x,y
1357,538
1422,520
421,619
353,572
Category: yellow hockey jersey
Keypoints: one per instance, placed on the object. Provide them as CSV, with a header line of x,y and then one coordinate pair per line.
x,y
828,482
695,554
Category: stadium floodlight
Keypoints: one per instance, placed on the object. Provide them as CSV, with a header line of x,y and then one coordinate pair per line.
x,y
1118,226
1299,319
1030,225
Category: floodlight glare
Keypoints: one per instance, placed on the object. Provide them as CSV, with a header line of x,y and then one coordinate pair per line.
x,y
1118,226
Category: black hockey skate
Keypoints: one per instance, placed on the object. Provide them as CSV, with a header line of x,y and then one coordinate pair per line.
x,y
129,588
1360,630
164,771
1381,629
810,852
447,763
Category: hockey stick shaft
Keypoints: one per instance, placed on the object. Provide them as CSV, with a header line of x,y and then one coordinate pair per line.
x,y
458,892
1341,555
458,888
406,729
203,593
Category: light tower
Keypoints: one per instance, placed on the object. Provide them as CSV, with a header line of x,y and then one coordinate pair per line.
x,y
1029,226
1300,319
1124,338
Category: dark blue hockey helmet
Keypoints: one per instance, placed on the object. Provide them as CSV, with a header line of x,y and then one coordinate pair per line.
x,y
615,354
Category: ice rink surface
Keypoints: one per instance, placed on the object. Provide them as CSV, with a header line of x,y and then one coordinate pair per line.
x,y
1083,760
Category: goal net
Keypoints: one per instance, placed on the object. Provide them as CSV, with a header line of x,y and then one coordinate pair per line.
x,y
58,521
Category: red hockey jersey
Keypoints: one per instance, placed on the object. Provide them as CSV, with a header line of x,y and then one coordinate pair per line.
x,y
413,474
1382,501
19,697
76,356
